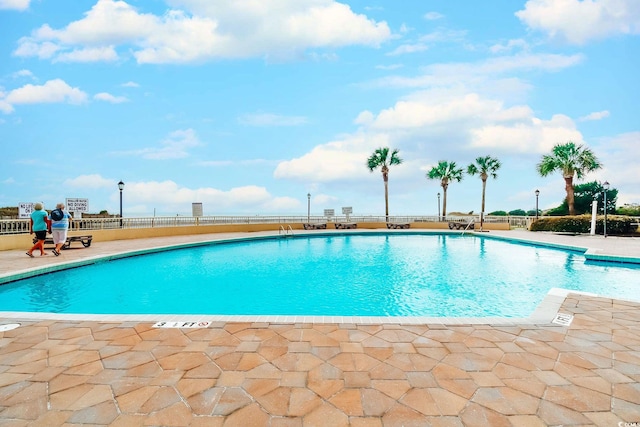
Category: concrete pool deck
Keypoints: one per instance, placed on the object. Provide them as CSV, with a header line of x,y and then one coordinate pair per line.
x,y
75,371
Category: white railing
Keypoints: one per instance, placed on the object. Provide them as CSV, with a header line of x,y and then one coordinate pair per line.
x,y
20,226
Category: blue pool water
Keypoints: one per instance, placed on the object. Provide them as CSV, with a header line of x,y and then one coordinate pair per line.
x,y
341,275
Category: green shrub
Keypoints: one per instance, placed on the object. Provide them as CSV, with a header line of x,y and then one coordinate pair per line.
x,y
498,213
628,210
582,224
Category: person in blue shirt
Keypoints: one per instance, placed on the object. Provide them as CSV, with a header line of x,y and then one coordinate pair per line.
x,y
39,225
59,228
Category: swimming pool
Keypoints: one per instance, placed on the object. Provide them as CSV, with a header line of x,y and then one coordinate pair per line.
x,y
377,274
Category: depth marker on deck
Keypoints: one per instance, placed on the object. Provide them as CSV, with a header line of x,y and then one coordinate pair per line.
x,y
563,319
180,325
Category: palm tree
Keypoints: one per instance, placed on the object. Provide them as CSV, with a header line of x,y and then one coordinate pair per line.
x,y
381,159
445,172
486,167
570,159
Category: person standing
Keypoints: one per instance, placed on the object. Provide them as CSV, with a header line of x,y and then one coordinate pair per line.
x,y
39,225
60,221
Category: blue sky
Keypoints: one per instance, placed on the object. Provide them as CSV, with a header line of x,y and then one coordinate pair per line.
x,y
248,105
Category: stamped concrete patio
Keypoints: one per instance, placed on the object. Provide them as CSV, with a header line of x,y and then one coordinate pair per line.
x,y
72,372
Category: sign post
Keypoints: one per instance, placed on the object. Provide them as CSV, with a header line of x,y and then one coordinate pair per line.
x,y
348,210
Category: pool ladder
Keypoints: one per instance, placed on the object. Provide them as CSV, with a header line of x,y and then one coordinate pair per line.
x,y
467,227
284,232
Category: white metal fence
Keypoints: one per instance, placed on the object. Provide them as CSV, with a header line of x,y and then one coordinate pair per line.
x,y
19,226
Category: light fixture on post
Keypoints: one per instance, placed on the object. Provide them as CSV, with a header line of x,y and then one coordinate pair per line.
x,y
121,187
438,206
605,186
537,195
308,207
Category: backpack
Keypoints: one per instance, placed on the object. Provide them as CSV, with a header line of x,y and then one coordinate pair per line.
x,y
57,214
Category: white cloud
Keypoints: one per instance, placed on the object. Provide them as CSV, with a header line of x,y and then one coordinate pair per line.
x,y
408,48
95,54
107,97
598,115
53,91
444,35
196,31
267,119
420,112
14,4
473,121
175,146
130,84
432,16
389,67
578,22
234,163
428,126
169,196
619,168
509,46
533,136
333,161
93,181
465,111
454,74
5,107
43,50
24,73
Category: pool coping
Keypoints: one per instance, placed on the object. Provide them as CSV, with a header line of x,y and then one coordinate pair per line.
x,y
545,312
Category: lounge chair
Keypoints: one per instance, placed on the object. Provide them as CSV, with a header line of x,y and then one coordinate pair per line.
x,y
346,225
461,225
393,225
85,240
322,226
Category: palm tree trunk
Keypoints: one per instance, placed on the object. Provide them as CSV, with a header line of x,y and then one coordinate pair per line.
x,y
570,198
386,199
444,203
484,187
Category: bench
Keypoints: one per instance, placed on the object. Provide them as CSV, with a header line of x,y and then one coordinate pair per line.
x,y
85,240
398,225
315,226
346,225
461,226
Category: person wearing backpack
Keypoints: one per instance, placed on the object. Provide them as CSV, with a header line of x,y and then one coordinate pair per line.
x,y
60,221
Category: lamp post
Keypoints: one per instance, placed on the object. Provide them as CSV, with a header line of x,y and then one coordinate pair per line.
x,y
606,188
438,206
537,194
308,207
121,187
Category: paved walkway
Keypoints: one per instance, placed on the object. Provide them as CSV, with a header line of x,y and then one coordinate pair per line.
x,y
128,373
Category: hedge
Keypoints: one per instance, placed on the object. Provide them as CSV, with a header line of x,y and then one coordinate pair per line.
x,y
582,224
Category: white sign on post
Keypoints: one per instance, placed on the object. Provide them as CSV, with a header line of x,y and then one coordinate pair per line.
x,y
25,209
347,210
329,213
77,205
